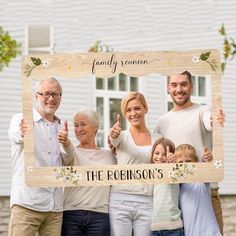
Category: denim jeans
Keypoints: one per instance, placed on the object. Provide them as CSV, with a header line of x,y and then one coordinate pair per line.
x,y
127,215
85,223
173,232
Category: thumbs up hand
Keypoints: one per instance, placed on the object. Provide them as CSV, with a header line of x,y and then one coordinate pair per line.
x,y
220,117
207,155
63,135
116,128
24,127
170,156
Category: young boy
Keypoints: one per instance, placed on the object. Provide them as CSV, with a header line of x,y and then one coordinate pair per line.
x,y
195,200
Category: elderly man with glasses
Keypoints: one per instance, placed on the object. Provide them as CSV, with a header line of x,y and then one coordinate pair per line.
x,y
37,210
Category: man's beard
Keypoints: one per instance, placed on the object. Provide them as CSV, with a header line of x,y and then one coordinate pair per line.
x,y
182,102
47,110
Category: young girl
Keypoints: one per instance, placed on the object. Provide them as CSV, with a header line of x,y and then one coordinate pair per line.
x,y
166,215
195,200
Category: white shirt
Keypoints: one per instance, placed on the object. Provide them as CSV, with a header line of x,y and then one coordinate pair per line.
x,y
129,153
191,125
89,198
166,214
47,153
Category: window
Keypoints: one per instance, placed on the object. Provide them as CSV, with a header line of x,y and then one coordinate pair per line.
x,y
108,95
201,92
39,39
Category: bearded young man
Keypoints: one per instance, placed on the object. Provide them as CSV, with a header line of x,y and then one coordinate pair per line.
x,y
190,123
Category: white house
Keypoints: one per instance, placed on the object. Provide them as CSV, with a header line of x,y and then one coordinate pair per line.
x,y
46,26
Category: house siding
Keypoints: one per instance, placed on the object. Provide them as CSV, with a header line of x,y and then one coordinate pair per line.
x,y
155,95
126,26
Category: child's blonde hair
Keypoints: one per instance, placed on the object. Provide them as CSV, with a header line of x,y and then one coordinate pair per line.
x,y
164,142
186,150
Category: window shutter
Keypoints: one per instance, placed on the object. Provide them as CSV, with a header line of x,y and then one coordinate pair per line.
x,y
39,39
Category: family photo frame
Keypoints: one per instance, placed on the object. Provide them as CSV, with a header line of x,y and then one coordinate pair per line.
x,y
205,62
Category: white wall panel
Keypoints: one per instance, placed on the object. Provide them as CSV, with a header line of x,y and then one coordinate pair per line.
x,y
126,26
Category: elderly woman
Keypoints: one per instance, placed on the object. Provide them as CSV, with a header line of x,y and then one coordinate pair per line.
x,y
131,205
85,208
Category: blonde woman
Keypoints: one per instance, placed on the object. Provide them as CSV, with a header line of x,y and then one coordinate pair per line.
x,y
131,205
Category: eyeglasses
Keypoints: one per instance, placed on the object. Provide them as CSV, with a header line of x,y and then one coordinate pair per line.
x,y
47,95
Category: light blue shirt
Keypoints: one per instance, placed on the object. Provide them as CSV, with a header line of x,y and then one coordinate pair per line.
x,y
197,211
47,153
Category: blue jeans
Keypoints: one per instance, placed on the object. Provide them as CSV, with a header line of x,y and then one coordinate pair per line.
x,y
173,232
85,223
131,213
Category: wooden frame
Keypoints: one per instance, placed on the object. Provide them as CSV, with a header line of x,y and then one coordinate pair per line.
x,y
200,62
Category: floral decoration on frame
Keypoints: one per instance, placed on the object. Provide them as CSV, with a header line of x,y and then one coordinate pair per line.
x,y
30,168
68,175
181,171
35,62
206,57
218,164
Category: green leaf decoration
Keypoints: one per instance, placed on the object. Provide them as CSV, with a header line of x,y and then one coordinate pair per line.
x,y
67,174
205,56
223,66
222,30
229,47
29,67
36,61
182,171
